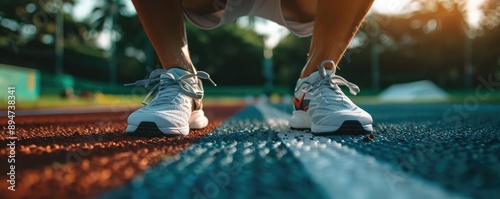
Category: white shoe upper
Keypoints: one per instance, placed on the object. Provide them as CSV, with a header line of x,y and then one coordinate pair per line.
x,y
173,109
321,105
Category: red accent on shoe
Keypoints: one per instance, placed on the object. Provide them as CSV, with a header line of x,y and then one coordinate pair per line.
x,y
298,102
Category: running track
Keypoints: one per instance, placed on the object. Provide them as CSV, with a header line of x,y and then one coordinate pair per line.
x,y
419,151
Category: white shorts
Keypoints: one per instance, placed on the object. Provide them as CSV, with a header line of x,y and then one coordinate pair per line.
x,y
269,9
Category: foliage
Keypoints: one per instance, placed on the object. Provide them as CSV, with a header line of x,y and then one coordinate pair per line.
x,y
289,58
231,54
425,44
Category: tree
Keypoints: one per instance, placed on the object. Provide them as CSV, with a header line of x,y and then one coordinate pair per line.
x,y
289,57
231,54
104,21
31,31
487,50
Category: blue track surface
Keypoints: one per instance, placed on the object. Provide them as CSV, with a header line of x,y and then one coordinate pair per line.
x,y
420,151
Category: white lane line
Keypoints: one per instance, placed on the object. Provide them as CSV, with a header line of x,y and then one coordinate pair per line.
x,y
344,173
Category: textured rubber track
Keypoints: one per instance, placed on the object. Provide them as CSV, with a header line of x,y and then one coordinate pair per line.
x,y
244,158
82,155
455,145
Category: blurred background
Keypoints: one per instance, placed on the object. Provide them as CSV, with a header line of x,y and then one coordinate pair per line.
x,y
81,52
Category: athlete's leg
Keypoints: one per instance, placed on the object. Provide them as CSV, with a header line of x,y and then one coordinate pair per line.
x,y
171,111
317,105
335,24
164,24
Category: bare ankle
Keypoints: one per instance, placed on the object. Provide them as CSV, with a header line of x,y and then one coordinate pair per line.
x,y
312,66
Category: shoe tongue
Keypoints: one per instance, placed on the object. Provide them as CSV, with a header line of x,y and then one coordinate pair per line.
x,y
175,72
316,76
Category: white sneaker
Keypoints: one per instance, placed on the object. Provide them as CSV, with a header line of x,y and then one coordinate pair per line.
x,y
177,106
321,106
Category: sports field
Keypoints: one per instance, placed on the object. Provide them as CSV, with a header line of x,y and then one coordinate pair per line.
x,y
248,151
424,73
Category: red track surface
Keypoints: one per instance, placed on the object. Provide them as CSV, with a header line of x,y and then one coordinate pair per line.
x,y
80,156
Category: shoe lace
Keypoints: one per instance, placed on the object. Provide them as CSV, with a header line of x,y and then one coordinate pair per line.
x,y
168,84
331,80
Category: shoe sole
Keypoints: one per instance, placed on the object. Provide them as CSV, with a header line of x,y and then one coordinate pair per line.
x,y
301,121
151,129
348,127
148,128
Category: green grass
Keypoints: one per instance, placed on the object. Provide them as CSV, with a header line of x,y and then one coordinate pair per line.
x,y
451,99
229,95
53,101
